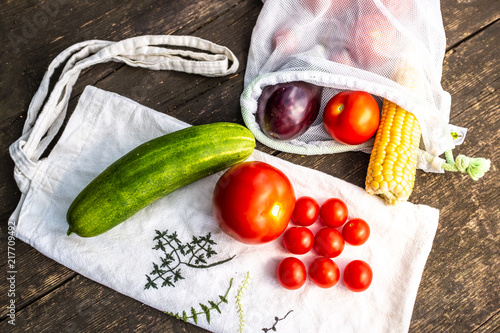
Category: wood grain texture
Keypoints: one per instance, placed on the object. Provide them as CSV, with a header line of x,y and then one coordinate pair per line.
x,y
462,271
457,290
464,18
85,306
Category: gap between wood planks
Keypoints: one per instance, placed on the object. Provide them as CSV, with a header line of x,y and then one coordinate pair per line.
x,y
472,35
40,295
492,324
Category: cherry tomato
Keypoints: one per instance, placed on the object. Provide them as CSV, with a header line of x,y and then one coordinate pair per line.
x,y
324,272
291,273
351,117
356,232
333,213
358,275
329,242
253,202
374,40
298,240
306,211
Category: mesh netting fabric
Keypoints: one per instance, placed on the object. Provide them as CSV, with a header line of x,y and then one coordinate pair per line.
x,y
392,49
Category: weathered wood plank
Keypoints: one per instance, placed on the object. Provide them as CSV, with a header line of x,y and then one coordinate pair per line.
x,y
470,72
38,33
81,305
35,276
491,325
464,18
462,270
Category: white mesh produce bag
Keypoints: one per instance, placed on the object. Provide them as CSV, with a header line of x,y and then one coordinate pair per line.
x,y
391,49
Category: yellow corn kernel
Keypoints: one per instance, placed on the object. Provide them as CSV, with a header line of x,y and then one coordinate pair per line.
x,y
393,160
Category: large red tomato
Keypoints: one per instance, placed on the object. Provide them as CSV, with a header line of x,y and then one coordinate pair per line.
x,y
352,117
253,202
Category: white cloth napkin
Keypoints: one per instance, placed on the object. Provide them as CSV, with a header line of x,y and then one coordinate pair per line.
x,y
231,280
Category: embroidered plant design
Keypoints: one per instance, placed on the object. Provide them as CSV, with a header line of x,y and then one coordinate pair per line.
x,y
205,309
239,303
276,321
193,254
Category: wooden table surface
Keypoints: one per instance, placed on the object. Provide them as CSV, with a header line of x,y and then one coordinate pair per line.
x,y
459,290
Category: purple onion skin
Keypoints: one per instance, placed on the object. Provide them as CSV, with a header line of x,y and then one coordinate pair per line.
x,y
286,110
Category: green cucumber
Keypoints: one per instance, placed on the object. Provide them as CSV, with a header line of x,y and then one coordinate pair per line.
x,y
155,169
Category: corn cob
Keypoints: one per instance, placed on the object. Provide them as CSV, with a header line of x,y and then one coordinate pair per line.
x,y
393,160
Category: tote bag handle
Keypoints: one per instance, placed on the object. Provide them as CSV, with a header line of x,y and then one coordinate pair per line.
x,y
47,111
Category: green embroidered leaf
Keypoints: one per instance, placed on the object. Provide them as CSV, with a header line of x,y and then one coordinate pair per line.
x,y
167,282
177,242
206,310
157,270
175,315
184,316
200,259
158,235
190,248
150,283
178,276
181,249
209,239
159,245
214,306
194,315
210,252
155,266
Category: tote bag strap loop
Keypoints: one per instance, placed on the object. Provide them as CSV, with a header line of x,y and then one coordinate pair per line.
x,y
47,111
